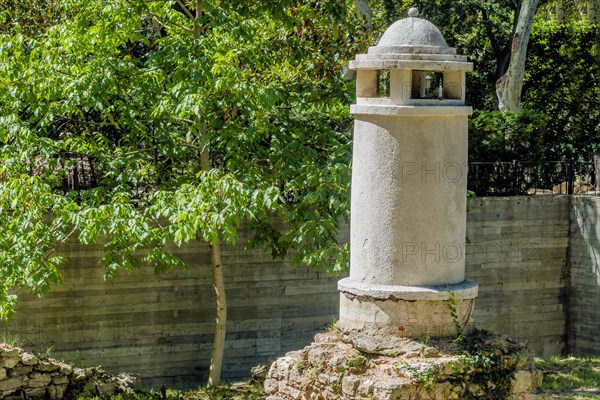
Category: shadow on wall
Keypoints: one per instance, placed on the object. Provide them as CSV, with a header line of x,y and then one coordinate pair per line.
x,y
586,221
584,307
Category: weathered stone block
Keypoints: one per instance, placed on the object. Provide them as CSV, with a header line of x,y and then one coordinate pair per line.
x,y
318,356
271,385
7,385
56,392
9,361
37,380
20,370
29,359
365,387
65,369
36,393
90,387
8,351
60,380
45,366
80,374
350,385
525,381
107,388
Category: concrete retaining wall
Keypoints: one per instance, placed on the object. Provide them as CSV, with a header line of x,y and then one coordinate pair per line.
x,y
584,316
160,327
518,253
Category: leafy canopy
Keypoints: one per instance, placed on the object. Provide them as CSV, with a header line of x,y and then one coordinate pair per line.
x,y
106,109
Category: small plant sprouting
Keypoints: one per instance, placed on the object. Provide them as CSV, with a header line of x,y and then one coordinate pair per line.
x,y
11,340
392,353
332,327
454,313
314,371
301,364
358,361
422,374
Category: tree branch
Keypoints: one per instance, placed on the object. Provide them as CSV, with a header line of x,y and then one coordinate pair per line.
x,y
197,27
163,21
166,23
185,10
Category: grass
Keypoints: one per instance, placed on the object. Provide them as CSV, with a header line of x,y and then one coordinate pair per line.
x,y
571,378
235,391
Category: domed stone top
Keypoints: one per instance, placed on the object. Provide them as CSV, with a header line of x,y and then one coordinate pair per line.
x,y
412,43
412,32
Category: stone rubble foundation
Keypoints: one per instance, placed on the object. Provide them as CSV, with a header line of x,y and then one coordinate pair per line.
x,y
480,366
26,376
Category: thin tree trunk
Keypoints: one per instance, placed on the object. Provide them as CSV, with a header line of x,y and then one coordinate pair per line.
x,y
216,358
364,12
580,9
592,11
560,12
509,86
218,349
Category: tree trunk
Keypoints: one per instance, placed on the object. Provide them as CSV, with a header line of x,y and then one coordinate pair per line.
x,y
364,12
560,12
592,10
579,7
508,87
216,358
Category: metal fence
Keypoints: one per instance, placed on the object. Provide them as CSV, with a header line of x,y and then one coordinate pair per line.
x,y
517,178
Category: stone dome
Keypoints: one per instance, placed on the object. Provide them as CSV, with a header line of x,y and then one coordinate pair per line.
x,y
412,32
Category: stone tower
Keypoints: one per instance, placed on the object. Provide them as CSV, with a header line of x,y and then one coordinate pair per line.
x,y
409,184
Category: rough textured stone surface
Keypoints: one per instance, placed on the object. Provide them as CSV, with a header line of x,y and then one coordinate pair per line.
x,y
331,368
25,375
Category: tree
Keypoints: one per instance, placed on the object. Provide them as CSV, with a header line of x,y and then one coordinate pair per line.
x,y
364,12
493,33
510,84
592,11
561,82
141,124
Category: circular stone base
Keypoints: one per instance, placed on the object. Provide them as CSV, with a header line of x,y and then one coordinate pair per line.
x,y
381,311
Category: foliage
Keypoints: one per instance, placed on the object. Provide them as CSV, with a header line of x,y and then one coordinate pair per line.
x,y
104,117
484,371
236,391
28,17
570,378
480,30
502,136
563,82
423,374
454,312
561,85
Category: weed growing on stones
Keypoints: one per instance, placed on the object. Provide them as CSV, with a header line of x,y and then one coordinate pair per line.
x,y
484,370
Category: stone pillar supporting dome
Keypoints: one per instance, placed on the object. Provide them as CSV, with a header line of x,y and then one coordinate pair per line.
x,y
409,174
407,51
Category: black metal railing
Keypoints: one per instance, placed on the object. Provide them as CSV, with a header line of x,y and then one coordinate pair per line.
x,y
513,178
517,178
